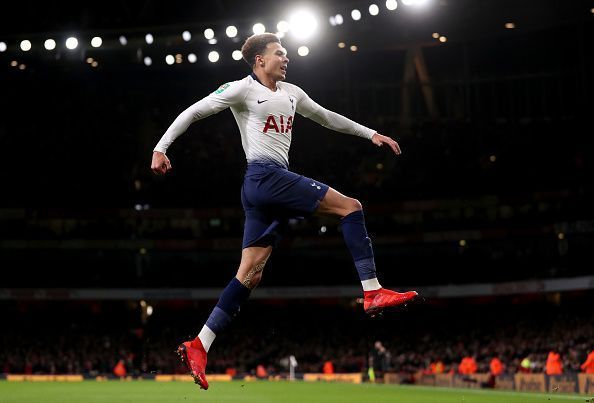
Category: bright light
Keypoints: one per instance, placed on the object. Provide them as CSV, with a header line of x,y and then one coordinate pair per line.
x,y
341,45
148,61
332,20
96,41
25,45
95,64
356,15
462,242
208,33
280,35
338,18
323,229
510,25
391,5
303,51
414,2
90,60
169,59
435,35
283,26
213,56
123,40
149,38
236,55
303,24
354,48
149,310
49,44
14,63
258,28
231,31
71,43
2,47
192,58
22,66
373,9
178,58
443,39
212,41
186,36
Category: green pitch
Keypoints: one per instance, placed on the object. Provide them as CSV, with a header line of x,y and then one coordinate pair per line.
x,y
256,392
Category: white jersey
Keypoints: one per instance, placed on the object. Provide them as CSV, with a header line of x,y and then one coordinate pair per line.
x,y
265,117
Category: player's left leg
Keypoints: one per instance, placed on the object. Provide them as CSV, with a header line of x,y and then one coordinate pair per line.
x,y
194,352
355,236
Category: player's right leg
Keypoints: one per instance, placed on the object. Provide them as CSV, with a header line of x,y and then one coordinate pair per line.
x,y
355,236
194,353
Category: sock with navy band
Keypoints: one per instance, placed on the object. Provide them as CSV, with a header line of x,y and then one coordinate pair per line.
x,y
359,244
228,306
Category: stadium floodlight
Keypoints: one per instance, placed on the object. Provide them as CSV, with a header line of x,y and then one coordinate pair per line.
x,y
356,15
303,24
435,35
414,3
236,55
49,44
303,51
186,36
443,39
192,58
213,56
231,31
283,26
169,59
149,39
373,9
71,43
96,41
391,5
26,45
148,61
258,28
208,33
332,20
123,40
212,41
338,18
2,47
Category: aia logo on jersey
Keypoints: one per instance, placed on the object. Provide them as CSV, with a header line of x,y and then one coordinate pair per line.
x,y
282,125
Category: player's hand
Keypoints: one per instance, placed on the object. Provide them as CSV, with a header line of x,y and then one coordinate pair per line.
x,y
160,164
380,140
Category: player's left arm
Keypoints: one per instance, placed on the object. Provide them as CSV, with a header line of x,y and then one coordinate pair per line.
x,y
332,120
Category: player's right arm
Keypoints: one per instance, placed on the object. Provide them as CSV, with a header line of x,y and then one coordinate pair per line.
x,y
225,96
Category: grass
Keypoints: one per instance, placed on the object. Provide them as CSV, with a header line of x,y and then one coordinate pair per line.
x,y
260,392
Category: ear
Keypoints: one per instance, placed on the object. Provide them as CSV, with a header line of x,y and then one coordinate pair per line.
x,y
259,60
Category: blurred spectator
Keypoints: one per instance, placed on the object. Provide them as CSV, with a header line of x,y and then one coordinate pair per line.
x,y
554,366
588,365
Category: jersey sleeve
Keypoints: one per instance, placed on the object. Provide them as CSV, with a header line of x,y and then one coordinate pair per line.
x,y
332,120
225,96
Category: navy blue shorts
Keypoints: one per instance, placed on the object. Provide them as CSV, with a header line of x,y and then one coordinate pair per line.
x,y
271,195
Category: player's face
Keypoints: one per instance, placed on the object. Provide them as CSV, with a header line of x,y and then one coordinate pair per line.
x,y
275,61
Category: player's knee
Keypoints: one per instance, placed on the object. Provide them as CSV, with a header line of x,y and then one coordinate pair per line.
x,y
353,205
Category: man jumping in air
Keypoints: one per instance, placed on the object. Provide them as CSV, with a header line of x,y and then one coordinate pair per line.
x,y
264,107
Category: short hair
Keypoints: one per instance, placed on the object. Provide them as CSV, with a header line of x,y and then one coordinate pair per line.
x,y
256,45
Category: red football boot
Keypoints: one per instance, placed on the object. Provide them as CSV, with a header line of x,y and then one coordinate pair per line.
x,y
193,355
375,301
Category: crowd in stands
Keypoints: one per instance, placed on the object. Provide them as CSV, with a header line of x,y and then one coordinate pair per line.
x,y
456,339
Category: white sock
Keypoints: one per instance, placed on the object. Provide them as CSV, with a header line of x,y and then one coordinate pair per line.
x,y
206,336
371,285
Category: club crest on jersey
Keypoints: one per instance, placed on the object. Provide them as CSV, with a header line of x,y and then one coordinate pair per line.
x,y
282,125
